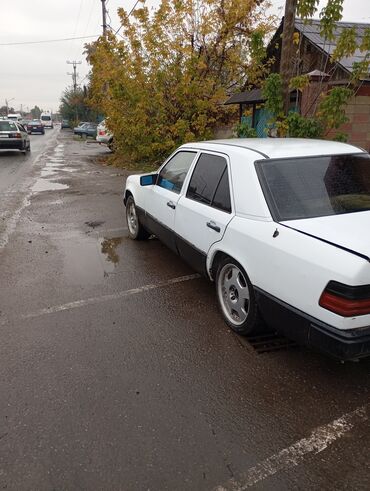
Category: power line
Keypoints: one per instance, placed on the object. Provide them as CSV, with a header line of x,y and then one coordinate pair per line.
x,y
49,40
133,8
75,29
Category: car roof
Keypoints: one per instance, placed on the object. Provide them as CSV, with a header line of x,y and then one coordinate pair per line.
x,y
275,148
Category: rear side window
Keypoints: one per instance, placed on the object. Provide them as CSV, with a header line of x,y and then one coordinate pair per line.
x,y
173,174
222,199
209,183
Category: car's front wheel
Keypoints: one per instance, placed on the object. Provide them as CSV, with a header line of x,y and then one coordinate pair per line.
x,y
135,230
236,298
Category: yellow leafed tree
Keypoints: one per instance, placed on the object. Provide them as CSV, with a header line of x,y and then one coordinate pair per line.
x,y
163,81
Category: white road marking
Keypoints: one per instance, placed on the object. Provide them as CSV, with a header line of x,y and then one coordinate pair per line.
x,y
105,298
319,440
12,222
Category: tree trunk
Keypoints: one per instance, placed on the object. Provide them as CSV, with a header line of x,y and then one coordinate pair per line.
x,y
287,51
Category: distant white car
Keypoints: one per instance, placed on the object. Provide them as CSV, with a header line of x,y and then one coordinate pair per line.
x,y
281,225
103,135
47,120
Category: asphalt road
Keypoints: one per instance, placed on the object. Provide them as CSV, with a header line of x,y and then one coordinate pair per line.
x,y
118,373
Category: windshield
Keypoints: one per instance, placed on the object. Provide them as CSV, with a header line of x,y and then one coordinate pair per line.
x,y
316,186
45,118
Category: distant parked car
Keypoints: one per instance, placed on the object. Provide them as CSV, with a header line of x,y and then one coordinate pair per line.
x,y
103,135
86,129
35,126
282,226
13,136
64,124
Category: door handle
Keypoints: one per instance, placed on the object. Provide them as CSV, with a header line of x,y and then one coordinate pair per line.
x,y
171,204
213,226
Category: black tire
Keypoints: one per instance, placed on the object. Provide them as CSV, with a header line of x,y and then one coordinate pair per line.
x,y
135,230
236,298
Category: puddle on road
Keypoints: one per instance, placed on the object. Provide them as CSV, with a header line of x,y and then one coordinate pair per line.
x,y
45,185
88,260
47,172
68,169
108,248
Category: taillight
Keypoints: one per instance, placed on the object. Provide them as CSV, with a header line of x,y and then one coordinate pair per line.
x,y
101,132
344,300
15,135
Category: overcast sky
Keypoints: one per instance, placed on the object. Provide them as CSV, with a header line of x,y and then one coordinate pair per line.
x,y
37,73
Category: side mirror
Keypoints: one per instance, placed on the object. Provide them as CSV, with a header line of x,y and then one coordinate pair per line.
x,y
148,180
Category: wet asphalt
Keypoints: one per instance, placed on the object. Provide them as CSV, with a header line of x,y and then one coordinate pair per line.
x,y
114,378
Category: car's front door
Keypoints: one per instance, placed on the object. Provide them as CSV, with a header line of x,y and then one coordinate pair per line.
x,y
204,212
162,200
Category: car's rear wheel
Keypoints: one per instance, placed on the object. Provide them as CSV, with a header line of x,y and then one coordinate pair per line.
x,y
236,298
135,230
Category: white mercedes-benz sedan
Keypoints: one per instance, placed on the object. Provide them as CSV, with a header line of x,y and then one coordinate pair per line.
x,y
282,226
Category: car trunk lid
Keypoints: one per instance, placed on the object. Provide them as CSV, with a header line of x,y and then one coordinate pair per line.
x,y
350,231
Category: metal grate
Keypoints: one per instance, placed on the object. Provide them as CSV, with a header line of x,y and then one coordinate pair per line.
x,y
267,342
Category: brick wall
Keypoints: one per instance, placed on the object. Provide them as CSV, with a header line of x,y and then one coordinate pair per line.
x,y
358,126
357,110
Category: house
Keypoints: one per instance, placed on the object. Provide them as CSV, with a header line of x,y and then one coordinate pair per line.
x,y
313,59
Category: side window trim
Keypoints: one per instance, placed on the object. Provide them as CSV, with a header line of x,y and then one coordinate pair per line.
x,y
227,169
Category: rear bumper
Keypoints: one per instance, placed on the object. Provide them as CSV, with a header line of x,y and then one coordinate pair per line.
x,y
345,345
11,144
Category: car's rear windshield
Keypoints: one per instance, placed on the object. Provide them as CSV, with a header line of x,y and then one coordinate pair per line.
x,y
7,126
316,186
45,118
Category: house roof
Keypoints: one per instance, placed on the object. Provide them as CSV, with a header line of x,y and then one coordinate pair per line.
x,y
311,30
253,96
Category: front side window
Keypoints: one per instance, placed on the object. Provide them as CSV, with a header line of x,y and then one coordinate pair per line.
x,y
173,174
316,186
209,183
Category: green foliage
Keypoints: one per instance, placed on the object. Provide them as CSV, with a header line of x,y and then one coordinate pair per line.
x,y
164,82
74,108
329,15
332,107
365,43
341,137
360,69
346,44
307,8
272,91
299,82
302,127
36,112
244,130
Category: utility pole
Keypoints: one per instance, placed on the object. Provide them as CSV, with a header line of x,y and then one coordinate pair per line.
x,y
74,78
7,104
287,50
74,74
104,12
